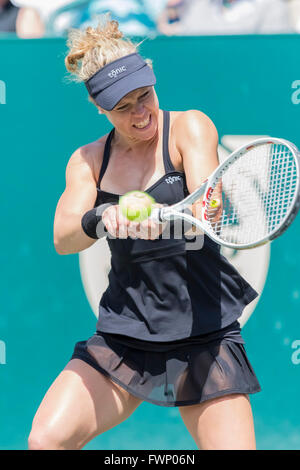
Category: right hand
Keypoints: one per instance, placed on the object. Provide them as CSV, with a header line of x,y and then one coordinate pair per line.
x,y
120,227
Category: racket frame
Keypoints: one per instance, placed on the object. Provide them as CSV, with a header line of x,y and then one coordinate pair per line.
x,y
174,211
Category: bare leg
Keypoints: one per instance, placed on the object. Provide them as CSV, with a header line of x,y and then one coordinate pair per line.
x,y
221,424
80,404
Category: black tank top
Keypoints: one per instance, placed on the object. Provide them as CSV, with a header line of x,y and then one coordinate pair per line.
x,y
159,290
8,18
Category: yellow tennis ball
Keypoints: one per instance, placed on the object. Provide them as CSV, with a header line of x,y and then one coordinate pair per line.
x,y
136,205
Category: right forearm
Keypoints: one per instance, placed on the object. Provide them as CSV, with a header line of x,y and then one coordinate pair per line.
x,y
69,237
74,233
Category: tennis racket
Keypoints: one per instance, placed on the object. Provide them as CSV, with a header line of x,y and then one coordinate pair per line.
x,y
249,200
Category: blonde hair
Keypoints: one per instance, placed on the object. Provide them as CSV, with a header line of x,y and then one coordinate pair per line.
x,y
93,48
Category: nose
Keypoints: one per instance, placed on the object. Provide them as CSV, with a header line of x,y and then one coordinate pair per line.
x,y
139,109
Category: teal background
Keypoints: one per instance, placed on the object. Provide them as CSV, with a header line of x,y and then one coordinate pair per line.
x,y
244,86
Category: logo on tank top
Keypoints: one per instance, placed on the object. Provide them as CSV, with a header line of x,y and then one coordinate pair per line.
x,y
115,72
173,179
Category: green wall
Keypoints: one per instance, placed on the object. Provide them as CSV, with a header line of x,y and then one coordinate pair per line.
x,y
245,87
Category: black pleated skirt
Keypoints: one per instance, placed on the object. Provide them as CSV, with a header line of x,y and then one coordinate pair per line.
x,y
177,373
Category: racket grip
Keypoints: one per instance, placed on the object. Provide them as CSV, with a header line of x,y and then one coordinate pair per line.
x,y
156,215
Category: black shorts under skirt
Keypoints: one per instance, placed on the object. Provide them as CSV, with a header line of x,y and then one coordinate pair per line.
x,y
177,373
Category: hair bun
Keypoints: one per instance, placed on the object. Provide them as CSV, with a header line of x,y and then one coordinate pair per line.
x,y
94,47
108,31
113,30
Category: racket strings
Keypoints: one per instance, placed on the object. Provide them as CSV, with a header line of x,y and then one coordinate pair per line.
x,y
258,189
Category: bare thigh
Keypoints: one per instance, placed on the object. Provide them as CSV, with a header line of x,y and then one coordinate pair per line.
x,y
80,404
221,424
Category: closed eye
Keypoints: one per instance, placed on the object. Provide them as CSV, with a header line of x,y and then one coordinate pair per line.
x,y
125,106
144,95
122,108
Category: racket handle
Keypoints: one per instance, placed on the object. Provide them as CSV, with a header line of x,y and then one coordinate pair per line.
x,y
156,214
160,214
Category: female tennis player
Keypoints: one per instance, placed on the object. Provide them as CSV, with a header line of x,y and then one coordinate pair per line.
x,y
167,331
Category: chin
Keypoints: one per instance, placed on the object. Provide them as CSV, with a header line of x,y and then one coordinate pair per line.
x,y
148,132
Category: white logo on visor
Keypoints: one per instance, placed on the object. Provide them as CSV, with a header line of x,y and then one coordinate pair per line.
x,y
115,72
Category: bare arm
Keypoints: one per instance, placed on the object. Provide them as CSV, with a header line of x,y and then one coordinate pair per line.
x,y
78,197
197,142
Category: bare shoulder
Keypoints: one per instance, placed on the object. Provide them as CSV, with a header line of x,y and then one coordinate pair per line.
x,y
88,158
193,124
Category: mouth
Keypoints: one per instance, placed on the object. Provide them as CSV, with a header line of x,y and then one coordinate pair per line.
x,y
143,125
